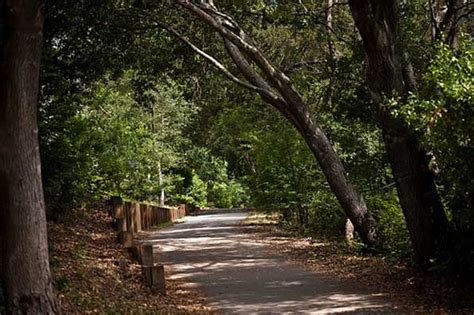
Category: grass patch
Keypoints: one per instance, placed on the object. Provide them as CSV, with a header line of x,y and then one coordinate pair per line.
x,y
262,218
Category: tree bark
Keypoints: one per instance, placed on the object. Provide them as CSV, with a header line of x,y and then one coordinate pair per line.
x,y
350,200
26,274
419,199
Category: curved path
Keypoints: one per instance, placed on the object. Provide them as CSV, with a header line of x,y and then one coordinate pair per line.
x,y
238,275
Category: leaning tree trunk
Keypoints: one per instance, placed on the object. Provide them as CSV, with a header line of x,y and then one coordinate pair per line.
x,y
419,199
26,274
350,200
456,10
278,90
297,112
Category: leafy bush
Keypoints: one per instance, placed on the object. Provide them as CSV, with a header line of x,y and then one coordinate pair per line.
x,y
391,224
116,141
228,194
326,216
197,192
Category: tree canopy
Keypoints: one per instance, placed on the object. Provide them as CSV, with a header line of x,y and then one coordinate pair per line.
x,y
164,92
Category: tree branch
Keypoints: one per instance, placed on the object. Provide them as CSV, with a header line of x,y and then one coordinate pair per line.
x,y
244,66
252,76
231,31
216,63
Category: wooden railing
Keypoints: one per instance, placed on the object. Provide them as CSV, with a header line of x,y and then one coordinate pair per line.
x,y
131,218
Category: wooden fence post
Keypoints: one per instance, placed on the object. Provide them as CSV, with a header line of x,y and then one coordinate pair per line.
x,y
137,222
184,209
146,255
155,215
154,277
126,238
117,207
143,216
149,211
131,217
128,215
120,224
160,215
143,254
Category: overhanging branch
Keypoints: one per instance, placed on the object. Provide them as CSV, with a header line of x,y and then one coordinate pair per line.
x,y
231,31
216,63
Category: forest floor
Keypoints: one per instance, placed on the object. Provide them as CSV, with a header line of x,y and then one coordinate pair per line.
x,y
84,259
88,280
421,293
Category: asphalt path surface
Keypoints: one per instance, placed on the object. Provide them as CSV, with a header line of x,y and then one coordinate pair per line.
x,y
237,274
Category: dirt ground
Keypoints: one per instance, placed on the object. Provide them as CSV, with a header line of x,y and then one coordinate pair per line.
x,y
239,275
424,293
84,254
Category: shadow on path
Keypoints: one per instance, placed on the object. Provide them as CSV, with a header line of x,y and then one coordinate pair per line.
x,y
238,275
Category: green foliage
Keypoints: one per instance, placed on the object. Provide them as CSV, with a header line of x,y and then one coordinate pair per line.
x,y
328,219
443,113
228,194
451,107
197,192
391,221
221,189
105,129
117,141
113,144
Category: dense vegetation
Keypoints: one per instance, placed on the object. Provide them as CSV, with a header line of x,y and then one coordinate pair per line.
x,y
152,105
127,106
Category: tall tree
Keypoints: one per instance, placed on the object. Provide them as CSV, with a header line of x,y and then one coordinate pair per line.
x,y
26,275
277,89
426,220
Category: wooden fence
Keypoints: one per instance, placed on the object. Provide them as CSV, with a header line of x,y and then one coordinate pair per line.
x,y
134,217
131,218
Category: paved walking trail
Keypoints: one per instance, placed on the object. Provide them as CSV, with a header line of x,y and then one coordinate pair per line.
x,y
238,275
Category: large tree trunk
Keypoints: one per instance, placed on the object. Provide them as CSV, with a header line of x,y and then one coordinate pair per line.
x,y
424,214
26,274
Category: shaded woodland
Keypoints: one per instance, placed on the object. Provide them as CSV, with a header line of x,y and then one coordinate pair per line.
x,y
338,116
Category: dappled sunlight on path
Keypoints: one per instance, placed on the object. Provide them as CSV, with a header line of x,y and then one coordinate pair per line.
x,y
238,275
